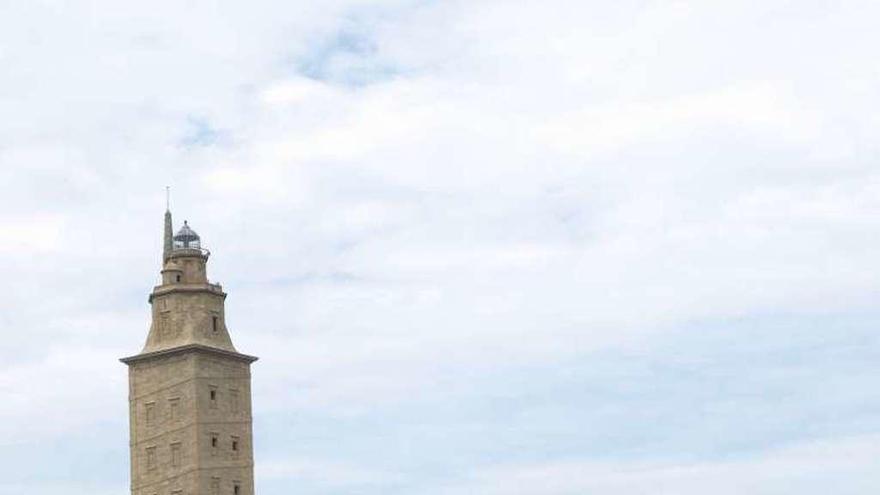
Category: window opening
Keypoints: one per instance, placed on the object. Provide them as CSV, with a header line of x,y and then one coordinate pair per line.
x,y
164,325
151,458
150,413
233,400
174,409
175,454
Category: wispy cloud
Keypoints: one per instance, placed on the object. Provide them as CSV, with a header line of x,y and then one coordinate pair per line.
x,y
481,247
802,469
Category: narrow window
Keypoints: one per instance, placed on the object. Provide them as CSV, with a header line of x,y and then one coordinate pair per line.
x,y
175,454
212,395
150,413
233,400
162,325
215,323
151,458
178,277
236,488
235,444
174,409
215,443
165,325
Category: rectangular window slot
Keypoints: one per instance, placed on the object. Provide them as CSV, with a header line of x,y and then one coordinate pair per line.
x,y
233,401
164,325
175,455
174,409
151,458
150,413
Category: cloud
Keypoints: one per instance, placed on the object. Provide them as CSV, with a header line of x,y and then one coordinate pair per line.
x,y
802,468
329,474
64,377
36,234
761,109
412,201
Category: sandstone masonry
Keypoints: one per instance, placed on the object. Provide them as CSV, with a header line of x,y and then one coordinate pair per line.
x,y
189,389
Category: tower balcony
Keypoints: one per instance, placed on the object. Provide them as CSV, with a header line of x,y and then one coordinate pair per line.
x,y
209,287
189,252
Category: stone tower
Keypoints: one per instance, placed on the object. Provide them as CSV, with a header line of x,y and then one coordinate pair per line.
x,y
189,389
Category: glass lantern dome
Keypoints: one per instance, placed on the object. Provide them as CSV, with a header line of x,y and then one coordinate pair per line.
x,y
186,238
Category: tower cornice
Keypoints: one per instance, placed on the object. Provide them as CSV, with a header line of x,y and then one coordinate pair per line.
x,y
186,349
161,290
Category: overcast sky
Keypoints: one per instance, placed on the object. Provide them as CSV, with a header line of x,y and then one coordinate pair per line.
x,y
481,247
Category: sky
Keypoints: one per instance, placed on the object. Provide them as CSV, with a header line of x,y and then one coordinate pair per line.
x,y
481,247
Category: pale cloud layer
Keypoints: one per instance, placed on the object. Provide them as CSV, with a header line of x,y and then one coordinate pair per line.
x,y
481,247
799,469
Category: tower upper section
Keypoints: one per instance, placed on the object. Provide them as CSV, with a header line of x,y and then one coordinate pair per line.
x,y
189,389
187,309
